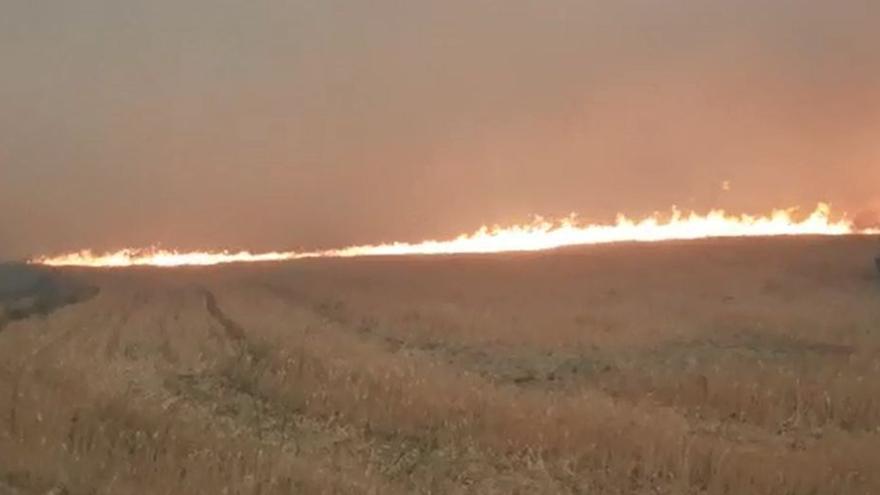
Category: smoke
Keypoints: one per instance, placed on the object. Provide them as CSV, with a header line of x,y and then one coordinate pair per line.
x,y
867,219
306,125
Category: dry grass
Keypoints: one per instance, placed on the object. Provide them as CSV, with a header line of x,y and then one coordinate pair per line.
x,y
704,367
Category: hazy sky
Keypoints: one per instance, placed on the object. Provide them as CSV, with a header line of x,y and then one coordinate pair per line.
x,y
286,124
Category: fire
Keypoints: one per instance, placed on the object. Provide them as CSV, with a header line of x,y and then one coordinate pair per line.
x,y
157,257
538,235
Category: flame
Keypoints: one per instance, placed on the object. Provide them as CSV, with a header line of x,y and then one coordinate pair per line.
x,y
538,235
157,257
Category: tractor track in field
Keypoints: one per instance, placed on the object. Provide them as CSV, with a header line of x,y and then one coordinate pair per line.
x,y
233,330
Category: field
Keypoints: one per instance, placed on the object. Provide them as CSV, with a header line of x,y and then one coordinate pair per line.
x,y
722,366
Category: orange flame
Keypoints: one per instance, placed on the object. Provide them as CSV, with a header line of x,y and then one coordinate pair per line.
x,y
536,236
158,257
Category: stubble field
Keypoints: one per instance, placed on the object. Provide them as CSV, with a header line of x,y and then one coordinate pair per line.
x,y
723,366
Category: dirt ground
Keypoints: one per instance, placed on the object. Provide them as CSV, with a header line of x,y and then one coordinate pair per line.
x,y
726,366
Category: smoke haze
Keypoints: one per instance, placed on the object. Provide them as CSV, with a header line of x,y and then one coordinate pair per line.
x,y
286,124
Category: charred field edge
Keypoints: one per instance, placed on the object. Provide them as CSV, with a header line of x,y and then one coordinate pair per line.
x,y
27,290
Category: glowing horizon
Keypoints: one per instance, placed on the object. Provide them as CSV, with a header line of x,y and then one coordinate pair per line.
x,y
536,236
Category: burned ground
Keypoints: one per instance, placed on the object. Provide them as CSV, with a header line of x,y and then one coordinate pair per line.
x,y
27,290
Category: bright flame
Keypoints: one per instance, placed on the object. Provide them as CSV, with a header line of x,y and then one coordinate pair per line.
x,y
158,257
536,236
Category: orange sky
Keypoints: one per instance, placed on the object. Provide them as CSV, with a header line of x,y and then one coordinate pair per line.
x,y
280,125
